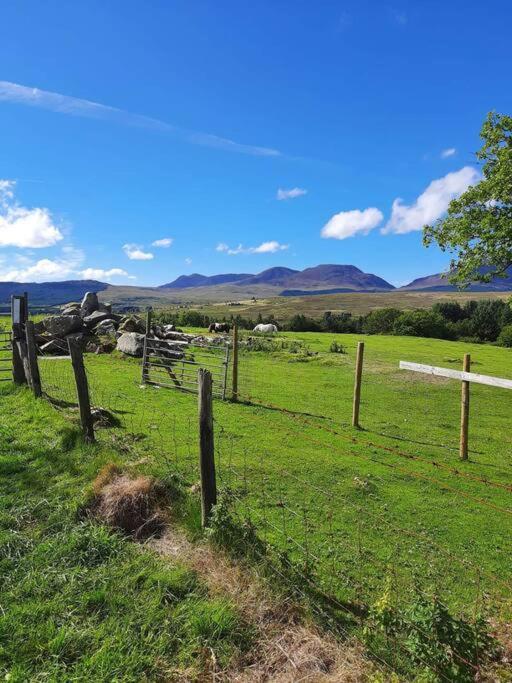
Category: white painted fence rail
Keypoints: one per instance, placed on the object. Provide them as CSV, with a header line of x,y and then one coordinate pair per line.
x,y
457,374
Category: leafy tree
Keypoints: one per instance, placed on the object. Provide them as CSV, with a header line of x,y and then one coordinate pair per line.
x,y
421,324
488,319
380,321
505,338
450,310
478,226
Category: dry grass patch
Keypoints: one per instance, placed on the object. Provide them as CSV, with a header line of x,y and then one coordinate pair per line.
x,y
132,505
287,648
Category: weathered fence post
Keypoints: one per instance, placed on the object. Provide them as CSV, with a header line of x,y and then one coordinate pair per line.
x,y
33,367
464,410
206,445
149,315
234,392
357,384
18,371
82,390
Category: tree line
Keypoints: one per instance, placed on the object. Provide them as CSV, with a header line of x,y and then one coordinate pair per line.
x,y
474,321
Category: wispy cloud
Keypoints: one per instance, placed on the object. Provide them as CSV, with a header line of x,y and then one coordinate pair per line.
x,y
449,152
74,106
23,227
270,247
349,223
188,261
135,252
163,243
432,203
290,194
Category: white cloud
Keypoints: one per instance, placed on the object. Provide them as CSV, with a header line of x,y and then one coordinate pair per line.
x,y
64,104
164,242
449,152
22,227
136,253
432,203
270,247
290,194
101,274
188,261
41,271
349,223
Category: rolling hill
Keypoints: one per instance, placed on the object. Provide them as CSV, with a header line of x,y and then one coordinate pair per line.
x,y
439,283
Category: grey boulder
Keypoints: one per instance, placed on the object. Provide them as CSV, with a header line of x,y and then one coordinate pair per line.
x,y
89,304
71,310
131,343
105,328
60,325
132,324
95,318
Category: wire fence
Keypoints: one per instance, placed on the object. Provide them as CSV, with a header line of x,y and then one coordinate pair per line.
x,y
351,520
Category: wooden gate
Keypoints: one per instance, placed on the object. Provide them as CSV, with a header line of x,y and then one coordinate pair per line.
x,y
174,363
5,356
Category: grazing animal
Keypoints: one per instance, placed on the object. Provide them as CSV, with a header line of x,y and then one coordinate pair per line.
x,y
219,327
266,329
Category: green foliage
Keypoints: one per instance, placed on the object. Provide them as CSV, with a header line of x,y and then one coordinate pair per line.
x,y
380,321
478,226
336,347
300,323
505,337
420,324
488,318
450,310
339,322
441,646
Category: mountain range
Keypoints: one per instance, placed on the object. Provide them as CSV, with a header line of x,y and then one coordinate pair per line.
x,y
325,276
273,282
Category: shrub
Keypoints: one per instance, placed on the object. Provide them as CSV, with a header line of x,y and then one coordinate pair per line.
x,y
336,347
380,321
436,640
301,323
421,323
450,310
339,322
505,338
487,319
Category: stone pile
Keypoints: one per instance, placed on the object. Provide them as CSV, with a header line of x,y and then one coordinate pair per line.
x,y
93,325
90,323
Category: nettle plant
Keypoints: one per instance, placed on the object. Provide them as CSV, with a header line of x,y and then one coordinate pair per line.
x,y
441,646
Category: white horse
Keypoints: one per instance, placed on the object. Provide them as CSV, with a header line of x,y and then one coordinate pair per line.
x,y
265,329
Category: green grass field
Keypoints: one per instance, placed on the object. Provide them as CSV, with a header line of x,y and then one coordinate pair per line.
x,y
353,489
355,512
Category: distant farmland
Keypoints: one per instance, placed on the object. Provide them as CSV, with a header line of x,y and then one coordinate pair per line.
x,y
283,308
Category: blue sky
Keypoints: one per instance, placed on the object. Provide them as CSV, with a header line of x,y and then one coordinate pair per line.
x,y
276,133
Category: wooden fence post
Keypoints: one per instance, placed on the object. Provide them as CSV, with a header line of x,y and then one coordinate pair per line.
x,y
464,410
33,367
18,371
82,390
357,384
206,445
149,316
234,392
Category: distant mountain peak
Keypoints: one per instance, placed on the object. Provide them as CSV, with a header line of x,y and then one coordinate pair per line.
x,y
325,275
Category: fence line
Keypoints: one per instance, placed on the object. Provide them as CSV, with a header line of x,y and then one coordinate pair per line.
x,y
332,557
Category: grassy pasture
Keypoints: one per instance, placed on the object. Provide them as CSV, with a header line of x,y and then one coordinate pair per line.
x,y
390,500
77,601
